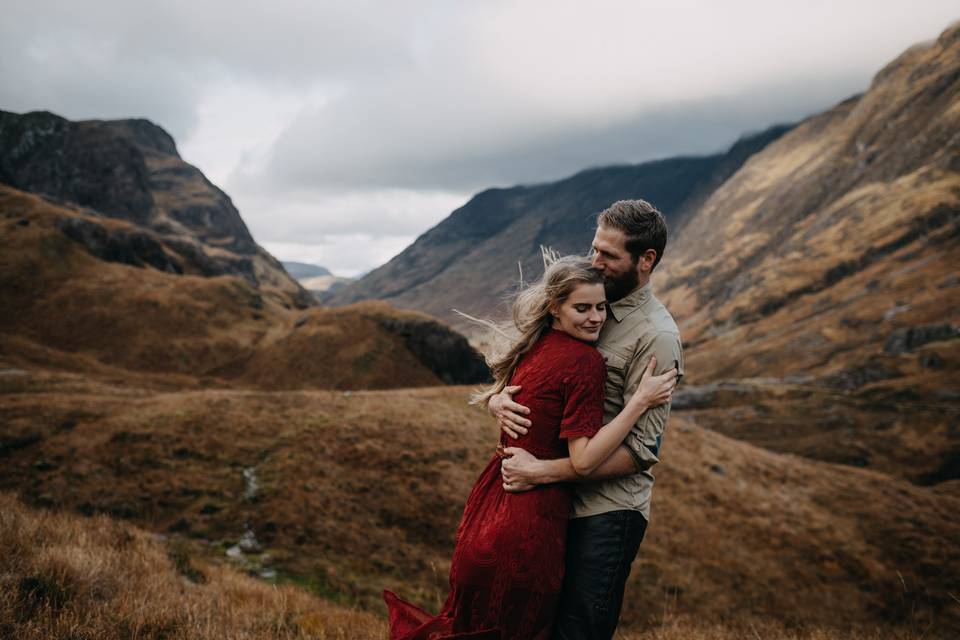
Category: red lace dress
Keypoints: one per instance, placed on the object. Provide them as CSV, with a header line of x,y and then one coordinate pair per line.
x,y
507,566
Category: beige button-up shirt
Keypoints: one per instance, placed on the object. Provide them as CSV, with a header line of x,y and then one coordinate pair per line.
x,y
637,327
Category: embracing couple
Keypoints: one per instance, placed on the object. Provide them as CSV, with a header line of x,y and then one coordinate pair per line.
x,y
582,396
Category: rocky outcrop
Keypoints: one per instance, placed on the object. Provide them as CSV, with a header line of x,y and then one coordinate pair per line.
x,y
440,349
126,246
912,338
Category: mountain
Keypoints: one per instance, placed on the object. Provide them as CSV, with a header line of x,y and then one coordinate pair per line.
x,y
469,261
316,279
130,170
301,270
829,260
115,255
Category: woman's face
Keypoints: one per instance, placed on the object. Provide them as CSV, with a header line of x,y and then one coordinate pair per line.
x,y
582,314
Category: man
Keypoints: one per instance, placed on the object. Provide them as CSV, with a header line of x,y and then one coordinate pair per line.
x,y
611,505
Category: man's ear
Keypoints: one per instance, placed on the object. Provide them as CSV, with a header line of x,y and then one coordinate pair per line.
x,y
645,261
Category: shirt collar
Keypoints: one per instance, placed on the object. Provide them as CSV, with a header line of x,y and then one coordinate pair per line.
x,y
630,302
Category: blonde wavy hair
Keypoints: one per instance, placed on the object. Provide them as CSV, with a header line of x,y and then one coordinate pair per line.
x,y
531,317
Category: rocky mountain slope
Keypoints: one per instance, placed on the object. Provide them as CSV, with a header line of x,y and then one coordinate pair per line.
x,y
469,261
130,170
830,259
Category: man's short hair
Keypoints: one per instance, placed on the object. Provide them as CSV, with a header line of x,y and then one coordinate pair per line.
x,y
640,221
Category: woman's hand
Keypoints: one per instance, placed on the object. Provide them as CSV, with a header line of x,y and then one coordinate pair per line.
x,y
655,390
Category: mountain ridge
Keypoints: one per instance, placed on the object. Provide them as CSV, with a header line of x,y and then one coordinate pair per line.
x,y
523,217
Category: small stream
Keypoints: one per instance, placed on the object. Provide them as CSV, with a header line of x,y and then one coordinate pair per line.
x,y
248,552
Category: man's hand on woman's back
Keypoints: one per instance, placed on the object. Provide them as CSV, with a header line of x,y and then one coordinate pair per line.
x,y
509,414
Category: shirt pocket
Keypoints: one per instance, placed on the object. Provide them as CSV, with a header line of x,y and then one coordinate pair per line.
x,y
616,376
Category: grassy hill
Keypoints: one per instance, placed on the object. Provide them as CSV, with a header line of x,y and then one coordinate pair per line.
x,y
348,493
74,310
64,576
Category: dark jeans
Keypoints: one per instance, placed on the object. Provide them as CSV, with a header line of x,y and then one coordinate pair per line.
x,y
599,552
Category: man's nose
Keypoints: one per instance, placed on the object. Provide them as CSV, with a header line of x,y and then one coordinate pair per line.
x,y
595,260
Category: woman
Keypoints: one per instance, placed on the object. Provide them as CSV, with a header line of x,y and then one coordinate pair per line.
x,y
507,566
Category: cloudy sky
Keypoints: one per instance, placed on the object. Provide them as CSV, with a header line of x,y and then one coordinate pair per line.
x,y
343,130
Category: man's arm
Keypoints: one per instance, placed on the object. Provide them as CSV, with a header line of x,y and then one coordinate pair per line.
x,y
522,471
643,442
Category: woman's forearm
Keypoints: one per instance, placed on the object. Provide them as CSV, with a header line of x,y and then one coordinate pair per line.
x,y
618,464
586,454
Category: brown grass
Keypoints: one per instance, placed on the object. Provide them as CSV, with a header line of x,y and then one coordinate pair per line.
x,y
68,578
64,577
70,310
363,491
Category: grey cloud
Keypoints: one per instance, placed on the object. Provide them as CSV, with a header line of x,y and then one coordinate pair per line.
x,y
314,216
398,142
116,58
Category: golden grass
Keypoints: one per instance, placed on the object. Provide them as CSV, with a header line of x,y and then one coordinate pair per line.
x,y
64,577
71,310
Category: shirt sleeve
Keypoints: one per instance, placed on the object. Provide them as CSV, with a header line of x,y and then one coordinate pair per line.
x,y
583,398
645,438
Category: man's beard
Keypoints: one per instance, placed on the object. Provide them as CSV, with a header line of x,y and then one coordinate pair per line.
x,y
618,287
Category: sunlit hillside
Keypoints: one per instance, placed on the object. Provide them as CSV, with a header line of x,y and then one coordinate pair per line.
x,y
831,259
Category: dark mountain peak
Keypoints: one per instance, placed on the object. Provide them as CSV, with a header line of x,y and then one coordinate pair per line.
x,y
36,119
147,135
130,170
127,169
300,270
